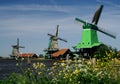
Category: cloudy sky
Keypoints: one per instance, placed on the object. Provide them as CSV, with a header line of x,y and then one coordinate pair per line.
x,y
31,20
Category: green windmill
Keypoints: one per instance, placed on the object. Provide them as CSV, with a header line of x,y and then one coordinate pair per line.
x,y
89,42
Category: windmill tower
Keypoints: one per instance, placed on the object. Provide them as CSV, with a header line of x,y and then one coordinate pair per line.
x,y
53,43
89,41
15,51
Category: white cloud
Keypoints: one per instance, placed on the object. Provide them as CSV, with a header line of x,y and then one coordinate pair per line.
x,y
65,9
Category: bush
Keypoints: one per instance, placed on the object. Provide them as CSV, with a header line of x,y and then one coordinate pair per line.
x,y
104,51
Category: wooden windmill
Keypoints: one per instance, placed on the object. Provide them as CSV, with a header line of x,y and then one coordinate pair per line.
x,y
53,42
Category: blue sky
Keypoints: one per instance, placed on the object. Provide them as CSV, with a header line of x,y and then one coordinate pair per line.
x,y
31,20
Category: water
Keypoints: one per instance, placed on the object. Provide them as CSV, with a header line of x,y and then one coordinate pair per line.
x,y
8,66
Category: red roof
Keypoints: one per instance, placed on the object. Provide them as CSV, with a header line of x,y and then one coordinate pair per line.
x,y
119,52
27,55
58,53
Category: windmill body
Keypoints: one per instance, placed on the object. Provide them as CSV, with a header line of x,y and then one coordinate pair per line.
x,y
89,41
15,51
53,44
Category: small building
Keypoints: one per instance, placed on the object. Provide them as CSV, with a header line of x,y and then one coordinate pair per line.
x,y
30,55
118,53
62,54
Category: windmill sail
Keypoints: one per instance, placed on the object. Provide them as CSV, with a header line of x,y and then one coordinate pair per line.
x,y
95,18
97,15
56,32
17,42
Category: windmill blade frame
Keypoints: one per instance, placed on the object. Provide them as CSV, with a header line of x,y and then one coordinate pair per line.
x,y
79,20
56,32
21,46
51,35
17,42
62,39
105,31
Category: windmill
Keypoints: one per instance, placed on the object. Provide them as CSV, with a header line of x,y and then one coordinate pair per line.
x,y
15,51
53,43
89,41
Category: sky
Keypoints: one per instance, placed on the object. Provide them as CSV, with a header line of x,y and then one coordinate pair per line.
x,y
32,20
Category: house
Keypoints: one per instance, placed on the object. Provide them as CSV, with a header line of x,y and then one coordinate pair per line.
x,y
62,54
31,55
